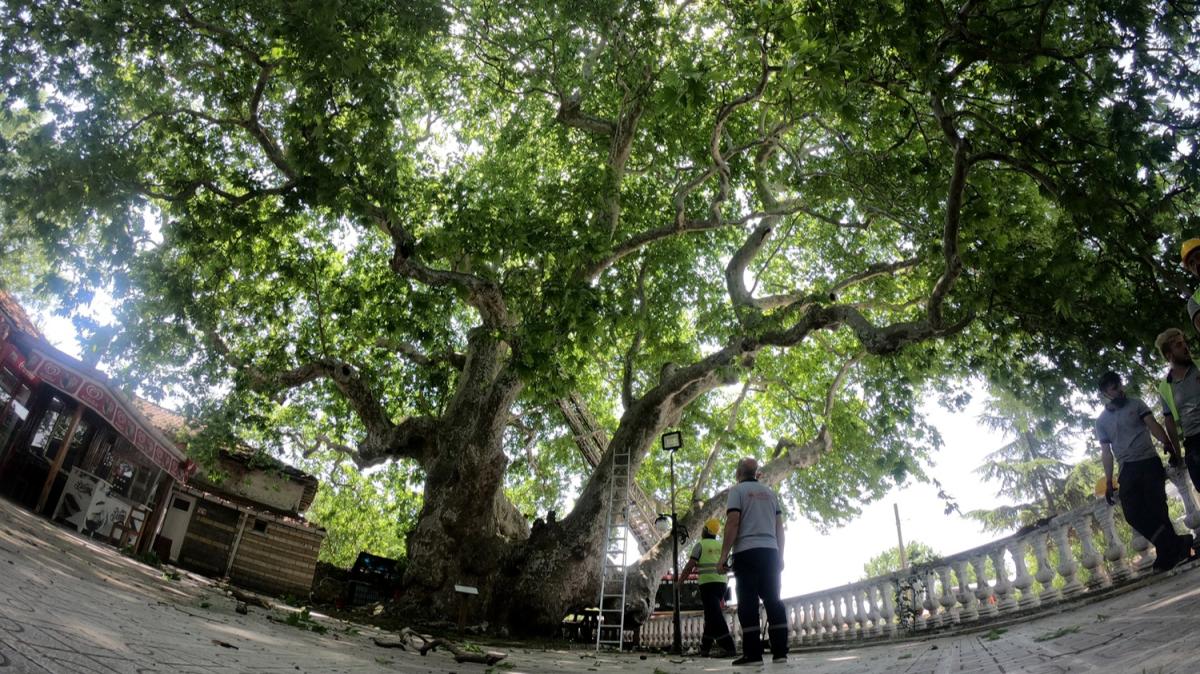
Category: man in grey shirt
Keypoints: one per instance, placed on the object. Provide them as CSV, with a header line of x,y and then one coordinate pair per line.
x,y
1124,429
754,535
1180,393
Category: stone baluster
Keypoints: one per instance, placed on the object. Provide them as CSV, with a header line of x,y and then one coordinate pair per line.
x,y
1183,484
802,623
844,628
887,612
1144,559
983,590
846,615
1005,602
1045,572
823,621
829,617
872,594
817,628
946,599
792,612
856,616
1114,549
1067,566
932,603
811,623
1090,558
921,617
968,608
1023,581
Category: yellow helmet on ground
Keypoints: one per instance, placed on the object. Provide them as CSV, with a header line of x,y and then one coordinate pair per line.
x,y
713,525
1187,248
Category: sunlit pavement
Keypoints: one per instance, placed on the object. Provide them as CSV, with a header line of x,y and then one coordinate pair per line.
x,y
68,605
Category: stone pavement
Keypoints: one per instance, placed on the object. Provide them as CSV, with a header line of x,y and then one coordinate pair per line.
x,y
69,605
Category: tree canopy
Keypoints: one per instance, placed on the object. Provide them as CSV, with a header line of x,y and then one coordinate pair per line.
x,y
1034,468
888,561
405,231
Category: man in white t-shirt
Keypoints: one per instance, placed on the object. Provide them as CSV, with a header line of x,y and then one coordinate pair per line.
x,y
754,535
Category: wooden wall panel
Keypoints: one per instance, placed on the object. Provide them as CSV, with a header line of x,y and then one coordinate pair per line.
x,y
209,539
282,560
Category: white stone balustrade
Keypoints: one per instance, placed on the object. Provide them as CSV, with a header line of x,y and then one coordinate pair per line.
x,y
1019,574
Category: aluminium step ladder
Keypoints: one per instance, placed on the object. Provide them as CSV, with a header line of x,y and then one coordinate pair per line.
x,y
614,562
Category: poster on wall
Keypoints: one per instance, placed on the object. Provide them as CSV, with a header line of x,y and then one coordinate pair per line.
x,y
77,497
105,510
90,504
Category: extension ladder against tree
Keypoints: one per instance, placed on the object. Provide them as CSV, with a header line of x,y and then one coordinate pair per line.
x,y
610,618
593,442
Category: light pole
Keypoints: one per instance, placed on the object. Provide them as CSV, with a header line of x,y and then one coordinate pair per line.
x,y
671,442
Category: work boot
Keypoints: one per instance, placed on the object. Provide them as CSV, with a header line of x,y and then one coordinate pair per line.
x,y
1169,551
747,660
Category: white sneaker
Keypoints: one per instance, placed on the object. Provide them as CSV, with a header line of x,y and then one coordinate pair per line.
x,y
781,658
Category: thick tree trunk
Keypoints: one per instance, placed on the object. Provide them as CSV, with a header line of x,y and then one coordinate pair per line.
x,y
558,569
466,526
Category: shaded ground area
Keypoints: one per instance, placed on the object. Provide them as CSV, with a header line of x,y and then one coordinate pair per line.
x,y
68,605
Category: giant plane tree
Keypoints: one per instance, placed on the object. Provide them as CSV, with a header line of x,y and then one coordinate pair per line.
x,y
441,234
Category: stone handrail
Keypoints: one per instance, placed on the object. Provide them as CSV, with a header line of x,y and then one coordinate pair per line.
x,y
942,593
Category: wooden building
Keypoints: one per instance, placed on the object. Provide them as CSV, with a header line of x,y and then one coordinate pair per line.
x,y
73,447
77,450
241,519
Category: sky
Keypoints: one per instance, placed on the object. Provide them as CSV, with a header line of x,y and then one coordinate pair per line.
x,y
816,561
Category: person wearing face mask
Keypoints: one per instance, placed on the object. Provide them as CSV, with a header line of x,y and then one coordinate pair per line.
x,y
1124,429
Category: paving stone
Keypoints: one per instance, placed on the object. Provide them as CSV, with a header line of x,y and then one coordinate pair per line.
x,y
70,605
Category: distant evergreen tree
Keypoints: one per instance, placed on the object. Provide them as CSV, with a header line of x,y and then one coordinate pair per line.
x,y
1033,468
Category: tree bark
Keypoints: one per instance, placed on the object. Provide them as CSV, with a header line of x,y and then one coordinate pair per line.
x,y
466,524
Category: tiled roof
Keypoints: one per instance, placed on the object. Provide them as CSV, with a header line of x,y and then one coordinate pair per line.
x,y
172,423
164,419
14,314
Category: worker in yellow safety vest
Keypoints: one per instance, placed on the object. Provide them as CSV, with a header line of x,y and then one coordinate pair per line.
x,y
705,555
1189,255
1180,393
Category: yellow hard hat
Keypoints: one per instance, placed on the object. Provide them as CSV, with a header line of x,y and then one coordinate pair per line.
x,y
713,526
1187,248
1102,484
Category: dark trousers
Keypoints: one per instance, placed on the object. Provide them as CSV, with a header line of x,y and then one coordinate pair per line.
x,y
1191,458
757,573
715,627
1143,497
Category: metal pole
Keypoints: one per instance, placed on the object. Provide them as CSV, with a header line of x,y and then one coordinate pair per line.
x,y
677,644
900,538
